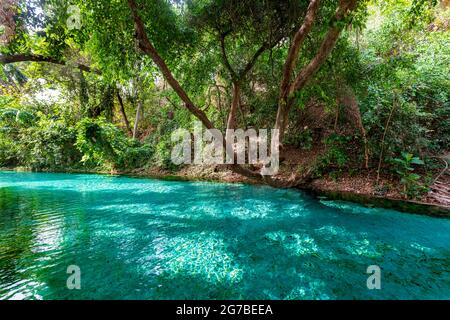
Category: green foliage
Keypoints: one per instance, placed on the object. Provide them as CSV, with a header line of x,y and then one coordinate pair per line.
x,y
336,156
161,139
42,142
410,180
8,152
303,139
36,141
103,144
336,150
48,145
162,155
406,68
394,57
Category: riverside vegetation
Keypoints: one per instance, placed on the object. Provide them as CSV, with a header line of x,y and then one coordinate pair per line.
x,y
358,89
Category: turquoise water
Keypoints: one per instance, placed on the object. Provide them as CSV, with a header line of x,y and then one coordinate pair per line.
x,y
152,239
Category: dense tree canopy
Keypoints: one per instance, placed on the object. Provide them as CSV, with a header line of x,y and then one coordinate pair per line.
x,y
102,84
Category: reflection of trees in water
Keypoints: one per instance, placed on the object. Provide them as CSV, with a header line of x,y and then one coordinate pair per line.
x,y
16,235
33,239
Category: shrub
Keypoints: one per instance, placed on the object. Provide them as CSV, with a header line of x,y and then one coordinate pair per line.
x,y
412,188
104,145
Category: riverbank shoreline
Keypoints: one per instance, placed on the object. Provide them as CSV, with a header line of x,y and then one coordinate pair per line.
x,y
331,189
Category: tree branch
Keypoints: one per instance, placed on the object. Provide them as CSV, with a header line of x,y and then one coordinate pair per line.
x,y
227,63
326,47
253,60
297,42
6,59
124,114
146,46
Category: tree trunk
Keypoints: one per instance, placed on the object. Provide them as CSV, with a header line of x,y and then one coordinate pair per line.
x,y
295,48
282,116
147,47
124,115
138,116
380,160
107,105
5,59
84,98
231,124
287,88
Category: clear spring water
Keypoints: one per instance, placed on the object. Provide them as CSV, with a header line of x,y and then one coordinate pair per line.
x,y
152,239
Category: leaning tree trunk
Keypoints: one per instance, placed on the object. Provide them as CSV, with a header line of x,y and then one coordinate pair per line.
x,y
138,117
288,88
147,47
289,65
124,114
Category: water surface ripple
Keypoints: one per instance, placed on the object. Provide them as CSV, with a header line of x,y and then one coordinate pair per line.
x,y
152,239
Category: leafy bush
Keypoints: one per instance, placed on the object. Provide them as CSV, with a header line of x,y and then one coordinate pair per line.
x,y
405,72
412,188
336,156
36,141
302,139
49,145
41,142
8,152
103,144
